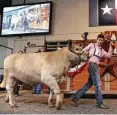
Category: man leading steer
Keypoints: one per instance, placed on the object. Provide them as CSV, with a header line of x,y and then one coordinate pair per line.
x,y
95,53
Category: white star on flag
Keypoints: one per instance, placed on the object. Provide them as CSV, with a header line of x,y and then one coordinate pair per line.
x,y
106,10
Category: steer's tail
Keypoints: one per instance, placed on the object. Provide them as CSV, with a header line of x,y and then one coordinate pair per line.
x,y
3,84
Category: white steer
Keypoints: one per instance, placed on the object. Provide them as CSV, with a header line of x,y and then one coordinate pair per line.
x,y
49,68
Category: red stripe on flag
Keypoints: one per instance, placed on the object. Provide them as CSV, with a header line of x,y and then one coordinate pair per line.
x,y
116,16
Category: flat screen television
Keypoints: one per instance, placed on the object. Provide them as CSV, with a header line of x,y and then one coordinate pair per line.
x,y
27,19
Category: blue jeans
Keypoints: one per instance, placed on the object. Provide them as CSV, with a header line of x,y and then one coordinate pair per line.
x,y
94,79
37,88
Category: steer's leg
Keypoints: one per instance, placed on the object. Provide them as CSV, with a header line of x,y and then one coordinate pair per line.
x,y
10,88
50,99
7,98
51,82
3,84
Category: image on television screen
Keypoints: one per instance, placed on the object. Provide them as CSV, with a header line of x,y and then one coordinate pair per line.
x,y
26,19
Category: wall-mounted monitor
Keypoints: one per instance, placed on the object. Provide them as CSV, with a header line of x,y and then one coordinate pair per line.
x,y
27,19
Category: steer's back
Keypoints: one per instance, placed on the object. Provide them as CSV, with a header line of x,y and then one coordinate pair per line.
x,y
34,60
29,67
25,67
20,61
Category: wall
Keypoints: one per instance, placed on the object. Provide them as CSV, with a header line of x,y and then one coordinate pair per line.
x,y
3,50
70,20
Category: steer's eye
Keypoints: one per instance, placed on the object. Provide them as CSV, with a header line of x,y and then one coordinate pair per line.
x,y
77,49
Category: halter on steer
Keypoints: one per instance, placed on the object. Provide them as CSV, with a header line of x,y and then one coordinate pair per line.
x,y
78,54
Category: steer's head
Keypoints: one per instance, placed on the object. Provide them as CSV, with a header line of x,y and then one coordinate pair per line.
x,y
78,51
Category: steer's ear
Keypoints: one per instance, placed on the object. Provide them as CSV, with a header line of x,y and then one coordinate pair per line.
x,y
73,46
81,45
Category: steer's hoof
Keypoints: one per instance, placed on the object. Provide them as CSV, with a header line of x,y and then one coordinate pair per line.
x,y
13,105
58,108
51,105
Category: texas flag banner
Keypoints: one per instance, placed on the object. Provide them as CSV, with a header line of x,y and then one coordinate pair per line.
x,y
102,12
